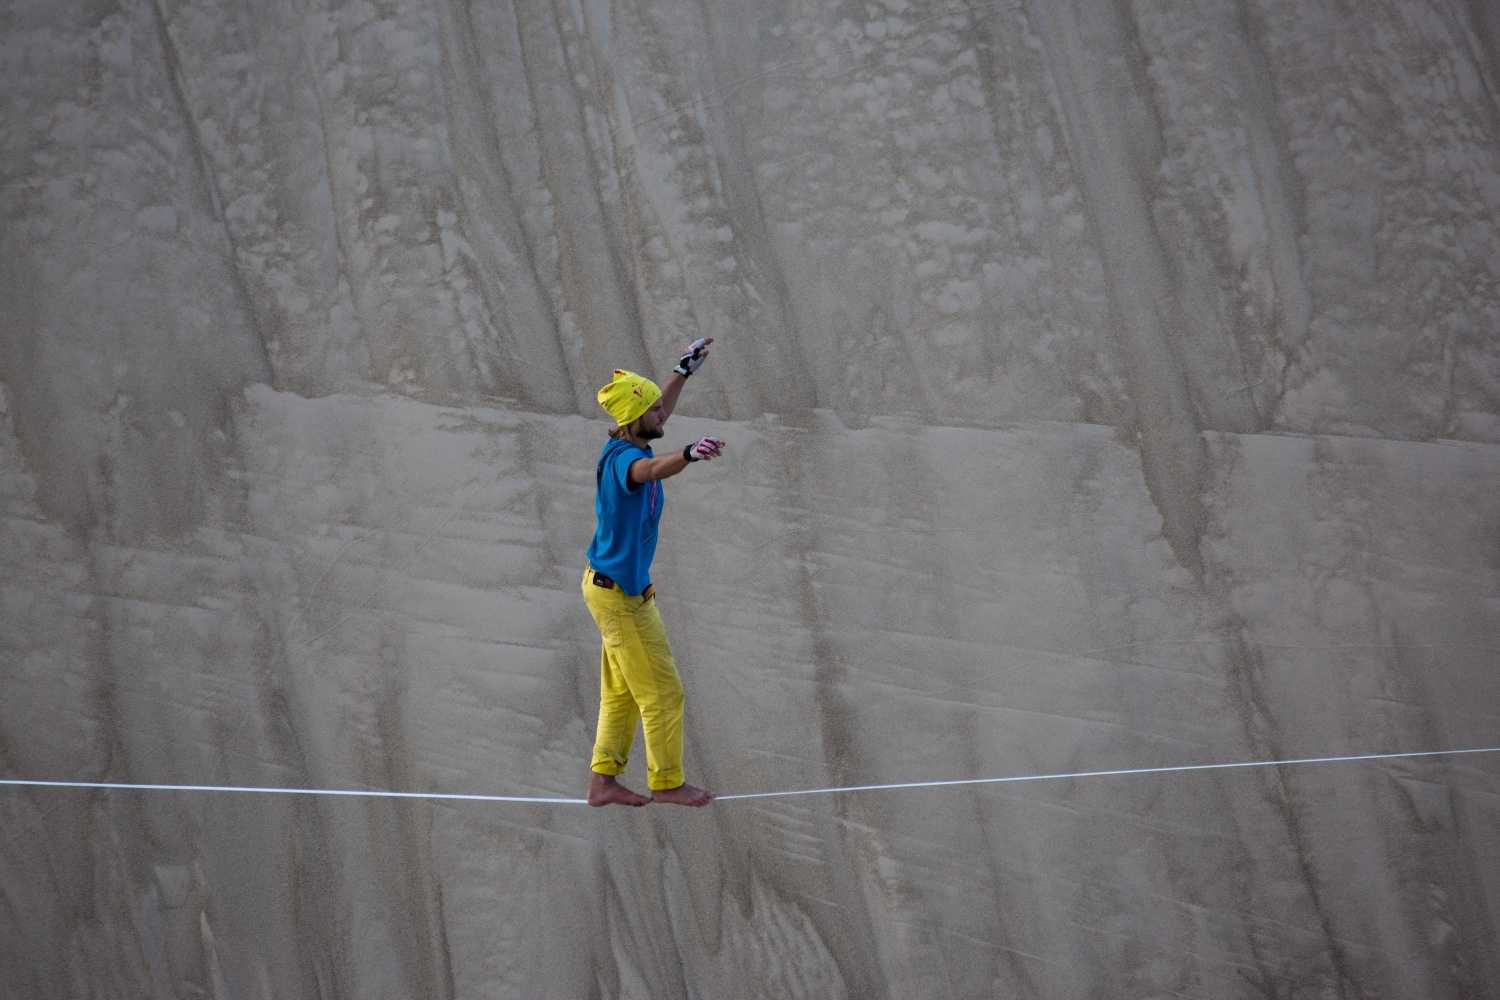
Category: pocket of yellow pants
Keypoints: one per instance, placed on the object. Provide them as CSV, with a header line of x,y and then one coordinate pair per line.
x,y
605,609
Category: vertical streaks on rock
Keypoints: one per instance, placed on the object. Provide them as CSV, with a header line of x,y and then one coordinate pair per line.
x,y
1089,51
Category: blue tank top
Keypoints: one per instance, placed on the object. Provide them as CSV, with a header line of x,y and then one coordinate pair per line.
x,y
627,517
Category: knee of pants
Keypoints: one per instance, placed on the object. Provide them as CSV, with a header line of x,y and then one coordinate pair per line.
x,y
666,703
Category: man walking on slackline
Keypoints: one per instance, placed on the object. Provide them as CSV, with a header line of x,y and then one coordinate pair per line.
x,y
637,675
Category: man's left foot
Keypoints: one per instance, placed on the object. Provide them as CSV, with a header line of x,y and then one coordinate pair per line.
x,y
683,795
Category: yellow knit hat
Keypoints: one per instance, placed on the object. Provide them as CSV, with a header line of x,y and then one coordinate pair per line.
x,y
628,395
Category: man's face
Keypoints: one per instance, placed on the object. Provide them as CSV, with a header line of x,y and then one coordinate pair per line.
x,y
649,426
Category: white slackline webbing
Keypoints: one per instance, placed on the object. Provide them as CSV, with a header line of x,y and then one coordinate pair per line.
x,y
367,793
1106,774
380,794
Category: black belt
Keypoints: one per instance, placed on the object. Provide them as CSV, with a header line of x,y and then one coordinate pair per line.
x,y
600,580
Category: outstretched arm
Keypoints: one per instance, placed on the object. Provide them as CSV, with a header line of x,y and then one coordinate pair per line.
x,y
644,470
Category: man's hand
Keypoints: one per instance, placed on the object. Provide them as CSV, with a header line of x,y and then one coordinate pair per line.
x,y
703,449
697,353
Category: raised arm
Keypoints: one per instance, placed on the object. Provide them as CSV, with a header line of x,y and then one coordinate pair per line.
x,y
644,470
696,353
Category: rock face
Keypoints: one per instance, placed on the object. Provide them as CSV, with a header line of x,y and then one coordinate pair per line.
x,y
1107,385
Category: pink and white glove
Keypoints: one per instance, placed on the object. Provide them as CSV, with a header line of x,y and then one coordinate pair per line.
x,y
696,355
703,448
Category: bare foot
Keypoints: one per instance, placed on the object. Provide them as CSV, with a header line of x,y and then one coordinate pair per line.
x,y
683,795
604,790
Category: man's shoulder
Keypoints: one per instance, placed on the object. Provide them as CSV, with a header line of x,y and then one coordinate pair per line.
x,y
617,457
615,447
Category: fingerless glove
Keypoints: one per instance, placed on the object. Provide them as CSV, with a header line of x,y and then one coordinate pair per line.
x,y
702,448
695,356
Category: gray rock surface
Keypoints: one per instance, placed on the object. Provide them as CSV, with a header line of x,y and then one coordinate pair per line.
x,y
1107,385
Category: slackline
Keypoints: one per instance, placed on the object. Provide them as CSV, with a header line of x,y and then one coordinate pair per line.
x,y
547,800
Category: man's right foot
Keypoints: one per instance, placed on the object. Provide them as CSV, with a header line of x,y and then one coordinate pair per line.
x,y
604,790
683,795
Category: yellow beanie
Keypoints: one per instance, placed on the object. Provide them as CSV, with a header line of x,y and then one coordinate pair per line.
x,y
628,395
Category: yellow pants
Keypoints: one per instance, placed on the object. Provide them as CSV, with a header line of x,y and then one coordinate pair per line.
x,y
637,681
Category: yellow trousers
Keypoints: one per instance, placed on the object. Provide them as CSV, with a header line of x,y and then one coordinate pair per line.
x,y
637,682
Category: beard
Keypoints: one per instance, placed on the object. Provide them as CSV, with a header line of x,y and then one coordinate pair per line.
x,y
651,433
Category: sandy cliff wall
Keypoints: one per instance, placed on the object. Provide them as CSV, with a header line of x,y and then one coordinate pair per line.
x,y
1106,385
